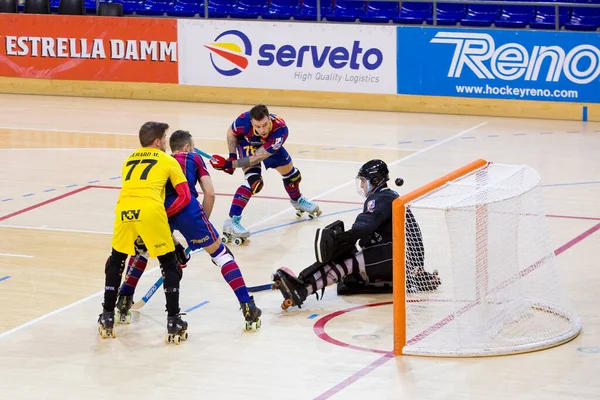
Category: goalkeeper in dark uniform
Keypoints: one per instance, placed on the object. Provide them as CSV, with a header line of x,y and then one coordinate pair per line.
x,y
368,267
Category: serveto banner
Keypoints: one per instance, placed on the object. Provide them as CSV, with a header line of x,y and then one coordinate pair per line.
x,y
88,48
293,56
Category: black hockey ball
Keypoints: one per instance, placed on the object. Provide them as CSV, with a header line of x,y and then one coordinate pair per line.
x,y
399,181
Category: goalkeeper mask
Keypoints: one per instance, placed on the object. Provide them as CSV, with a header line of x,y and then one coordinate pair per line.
x,y
363,186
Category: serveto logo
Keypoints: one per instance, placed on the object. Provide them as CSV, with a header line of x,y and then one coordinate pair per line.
x,y
230,47
511,61
288,55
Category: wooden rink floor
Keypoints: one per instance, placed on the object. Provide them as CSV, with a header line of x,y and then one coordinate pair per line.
x,y
60,161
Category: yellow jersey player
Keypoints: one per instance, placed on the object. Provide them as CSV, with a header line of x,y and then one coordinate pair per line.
x,y
140,212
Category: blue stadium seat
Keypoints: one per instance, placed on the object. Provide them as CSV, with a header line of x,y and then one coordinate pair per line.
x,y
347,11
187,8
90,6
220,8
449,14
282,9
515,16
544,16
308,10
53,6
380,12
414,13
480,15
155,7
129,6
249,9
584,18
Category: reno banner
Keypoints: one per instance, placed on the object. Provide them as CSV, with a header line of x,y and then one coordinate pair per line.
x,y
499,64
294,56
88,48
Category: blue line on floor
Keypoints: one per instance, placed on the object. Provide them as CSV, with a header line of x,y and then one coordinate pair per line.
x,y
70,186
312,316
8,199
115,177
28,194
49,190
493,135
430,140
519,134
302,220
405,142
468,137
94,181
205,302
546,133
571,183
4,278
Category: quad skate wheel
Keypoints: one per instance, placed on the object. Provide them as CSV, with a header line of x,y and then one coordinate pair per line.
x,y
224,239
103,333
287,303
168,339
177,339
184,336
113,333
315,214
253,326
299,214
275,285
238,241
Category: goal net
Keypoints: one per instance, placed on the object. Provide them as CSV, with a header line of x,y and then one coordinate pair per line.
x,y
483,229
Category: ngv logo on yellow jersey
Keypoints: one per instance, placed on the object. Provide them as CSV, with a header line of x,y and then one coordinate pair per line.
x,y
130,215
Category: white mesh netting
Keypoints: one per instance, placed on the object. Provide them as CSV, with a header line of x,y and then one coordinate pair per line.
x,y
486,235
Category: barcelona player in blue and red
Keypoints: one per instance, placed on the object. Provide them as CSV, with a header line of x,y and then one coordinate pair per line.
x,y
258,137
193,223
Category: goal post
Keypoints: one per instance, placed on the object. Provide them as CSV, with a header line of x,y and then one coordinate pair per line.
x,y
483,229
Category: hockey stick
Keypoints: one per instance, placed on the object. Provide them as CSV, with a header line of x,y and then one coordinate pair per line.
x,y
260,288
201,153
139,304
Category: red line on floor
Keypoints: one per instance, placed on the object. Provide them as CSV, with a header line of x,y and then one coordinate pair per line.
x,y
43,203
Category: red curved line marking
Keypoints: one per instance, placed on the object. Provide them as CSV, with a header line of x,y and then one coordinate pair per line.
x,y
238,60
319,329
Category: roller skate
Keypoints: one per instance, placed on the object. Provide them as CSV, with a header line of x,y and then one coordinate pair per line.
x,y
234,232
251,314
176,330
292,288
106,324
124,304
306,206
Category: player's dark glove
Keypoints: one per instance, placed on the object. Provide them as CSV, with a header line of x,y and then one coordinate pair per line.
x,y
220,163
182,256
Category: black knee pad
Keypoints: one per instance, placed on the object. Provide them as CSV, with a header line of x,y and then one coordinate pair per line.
x,y
116,261
115,264
293,178
169,264
255,180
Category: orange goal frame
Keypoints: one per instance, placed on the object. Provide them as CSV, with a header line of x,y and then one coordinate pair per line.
x,y
399,251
